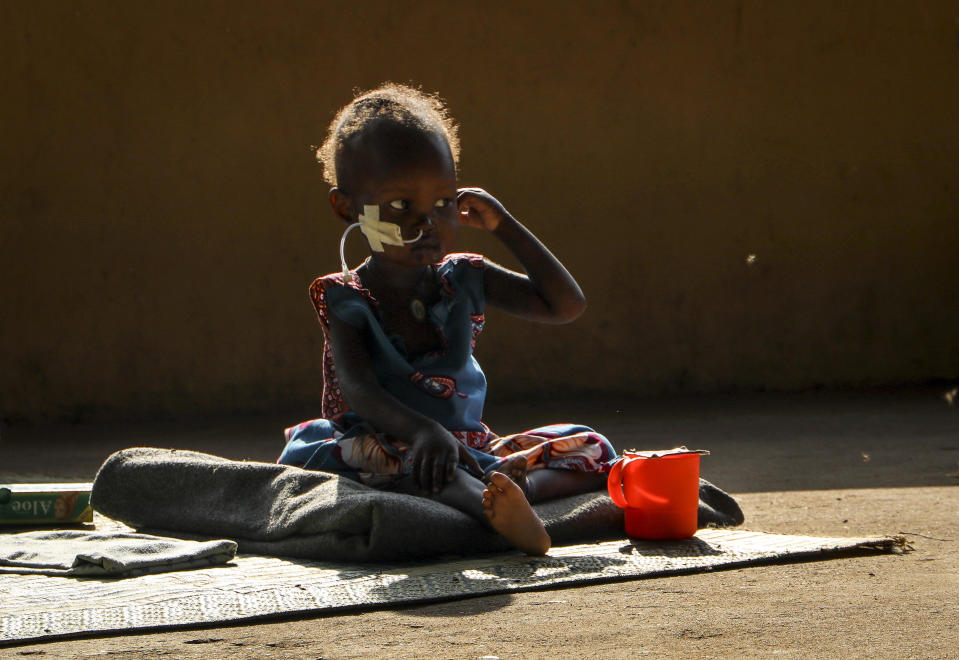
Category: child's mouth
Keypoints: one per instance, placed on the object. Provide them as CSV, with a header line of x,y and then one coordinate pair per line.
x,y
426,244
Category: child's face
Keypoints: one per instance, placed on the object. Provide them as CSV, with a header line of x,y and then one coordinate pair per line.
x,y
410,176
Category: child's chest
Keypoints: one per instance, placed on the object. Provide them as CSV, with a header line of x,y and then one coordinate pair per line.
x,y
409,321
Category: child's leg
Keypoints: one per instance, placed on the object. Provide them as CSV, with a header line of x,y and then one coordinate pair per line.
x,y
548,484
513,467
551,450
501,505
510,514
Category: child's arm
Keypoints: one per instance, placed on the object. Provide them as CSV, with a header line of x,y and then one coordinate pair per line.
x,y
435,450
547,292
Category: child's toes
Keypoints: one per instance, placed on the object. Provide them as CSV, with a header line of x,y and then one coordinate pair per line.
x,y
499,481
489,507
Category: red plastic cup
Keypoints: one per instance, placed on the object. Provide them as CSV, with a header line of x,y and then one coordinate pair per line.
x,y
659,492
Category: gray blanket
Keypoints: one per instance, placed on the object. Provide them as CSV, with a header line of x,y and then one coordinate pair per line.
x,y
76,553
286,511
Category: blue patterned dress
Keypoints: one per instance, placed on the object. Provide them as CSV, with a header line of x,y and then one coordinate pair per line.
x,y
446,385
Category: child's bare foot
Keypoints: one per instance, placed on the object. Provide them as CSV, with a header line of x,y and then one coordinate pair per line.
x,y
511,515
513,467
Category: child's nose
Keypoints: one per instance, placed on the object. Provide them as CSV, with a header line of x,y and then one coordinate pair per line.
x,y
425,220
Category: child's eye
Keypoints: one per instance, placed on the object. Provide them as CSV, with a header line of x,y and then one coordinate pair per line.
x,y
443,203
399,204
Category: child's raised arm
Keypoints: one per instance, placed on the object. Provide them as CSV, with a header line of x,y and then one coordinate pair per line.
x,y
547,292
435,450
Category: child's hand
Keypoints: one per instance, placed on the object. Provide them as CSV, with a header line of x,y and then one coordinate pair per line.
x,y
435,455
479,209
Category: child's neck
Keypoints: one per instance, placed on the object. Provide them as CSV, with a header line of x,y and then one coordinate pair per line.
x,y
396,278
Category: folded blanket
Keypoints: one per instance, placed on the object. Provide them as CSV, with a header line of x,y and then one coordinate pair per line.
x,y
287,511
93,554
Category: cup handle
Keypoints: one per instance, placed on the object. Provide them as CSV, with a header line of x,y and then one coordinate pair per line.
x,y
614,484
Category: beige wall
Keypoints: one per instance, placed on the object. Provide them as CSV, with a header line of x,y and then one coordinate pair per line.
x,y
162,217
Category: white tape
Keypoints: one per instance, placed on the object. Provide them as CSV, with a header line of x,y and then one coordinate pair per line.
x,y
377,234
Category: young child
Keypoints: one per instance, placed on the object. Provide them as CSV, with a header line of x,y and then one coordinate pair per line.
x,y
402,393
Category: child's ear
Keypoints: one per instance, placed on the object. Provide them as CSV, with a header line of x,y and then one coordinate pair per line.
x,y
342,204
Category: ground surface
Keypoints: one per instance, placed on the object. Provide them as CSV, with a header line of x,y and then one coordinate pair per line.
x,y
819,464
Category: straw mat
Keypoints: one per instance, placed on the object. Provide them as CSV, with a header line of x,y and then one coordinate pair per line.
x,y
34,607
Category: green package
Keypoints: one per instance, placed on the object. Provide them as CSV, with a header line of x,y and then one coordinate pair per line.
x,y
45,504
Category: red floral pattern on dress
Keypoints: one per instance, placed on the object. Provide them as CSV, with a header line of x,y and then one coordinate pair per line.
x,y
477,323
333,405
442,387
476,439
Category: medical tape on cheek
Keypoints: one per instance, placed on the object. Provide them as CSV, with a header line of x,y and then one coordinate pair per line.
x,y
376,232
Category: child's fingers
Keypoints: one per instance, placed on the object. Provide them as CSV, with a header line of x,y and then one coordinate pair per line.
x,y
438,474
467,459
415,470
424,474
468,192
471,210
469,198
466,210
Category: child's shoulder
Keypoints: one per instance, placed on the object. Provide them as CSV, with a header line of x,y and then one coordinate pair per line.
x,y
333,290
467,258
463,274
334,279
321,285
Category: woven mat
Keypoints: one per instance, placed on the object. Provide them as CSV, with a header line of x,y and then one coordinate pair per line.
x,y
256,587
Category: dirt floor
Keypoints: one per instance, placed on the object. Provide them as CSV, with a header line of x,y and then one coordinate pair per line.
x,y
836,464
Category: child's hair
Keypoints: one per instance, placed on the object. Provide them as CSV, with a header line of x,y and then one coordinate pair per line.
x,y
399,104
